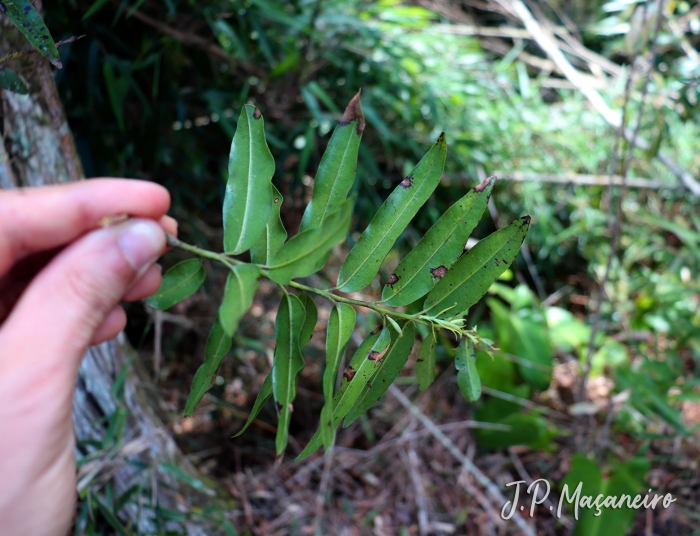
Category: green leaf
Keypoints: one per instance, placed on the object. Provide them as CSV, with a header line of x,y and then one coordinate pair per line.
x,y
438,249
240,289
274,236
336,172
29,22
366,257
425,362
349,374
468,378
181,281
471,276
218,345
111,519
287,364
249,196
11,82
311,311
386,372
340,327
94,8
302,255
264,394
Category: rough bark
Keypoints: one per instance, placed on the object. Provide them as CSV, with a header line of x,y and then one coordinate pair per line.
x,y
37,149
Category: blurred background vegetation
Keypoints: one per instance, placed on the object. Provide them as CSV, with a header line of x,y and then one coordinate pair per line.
x,y
153,90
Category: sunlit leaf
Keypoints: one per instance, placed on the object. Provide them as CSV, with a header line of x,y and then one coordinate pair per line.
x,y
302,255
336,172
438,249
310,319
340,327
471,276
249,195
468,378
29,22
287,364
366,257
388,369
218,344
270,241
240,289
11,82
349,375
181,281
425,362
263,395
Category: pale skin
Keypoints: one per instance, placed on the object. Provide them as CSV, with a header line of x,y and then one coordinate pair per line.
x,y
62,276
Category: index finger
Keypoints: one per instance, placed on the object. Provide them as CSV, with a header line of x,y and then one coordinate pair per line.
x,y
38,219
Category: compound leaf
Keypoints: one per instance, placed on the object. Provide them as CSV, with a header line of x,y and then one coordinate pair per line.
x,y
336,172
468,378
181,281
274,236
248,198
471,276
240,289
438,249
365,258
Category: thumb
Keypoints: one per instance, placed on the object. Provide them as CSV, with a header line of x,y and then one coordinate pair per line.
x,y
60,311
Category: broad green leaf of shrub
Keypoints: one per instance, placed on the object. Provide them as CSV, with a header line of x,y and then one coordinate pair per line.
x,y
263,396
310,319
349,374
181,281
471,276
249,196
302,255
287,363
425,362
365,258
29,22
240,289
341,324
218,345
468,378
387,370
272,239
11,82
336,172
438,249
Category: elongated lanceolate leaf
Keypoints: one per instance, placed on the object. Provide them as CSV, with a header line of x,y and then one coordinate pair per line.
x,y
468,377
181,281
310,319
29,22
438,249
365,258
248,199
471,276
274,236
336,172
387,371
425,362
263,396
218,344
240,289
287,364
11,82
302,255
359,357
340,327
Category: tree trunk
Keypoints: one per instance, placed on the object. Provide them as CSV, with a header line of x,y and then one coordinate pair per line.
x,y
37,150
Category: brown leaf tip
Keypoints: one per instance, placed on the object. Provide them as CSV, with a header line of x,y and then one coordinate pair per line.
x,y
353,112
349,373
407,182
439,272
487,182
393,279
441,139
256,113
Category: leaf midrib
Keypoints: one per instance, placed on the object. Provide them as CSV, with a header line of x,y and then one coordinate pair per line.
x,y
179,285
248,196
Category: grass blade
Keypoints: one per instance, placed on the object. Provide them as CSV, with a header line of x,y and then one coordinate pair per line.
x,y
366,257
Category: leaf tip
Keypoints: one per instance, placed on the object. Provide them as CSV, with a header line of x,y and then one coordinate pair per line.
x,y
256,113
442,139
353,112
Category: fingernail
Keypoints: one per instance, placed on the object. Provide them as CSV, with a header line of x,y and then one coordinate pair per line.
x,y
142,242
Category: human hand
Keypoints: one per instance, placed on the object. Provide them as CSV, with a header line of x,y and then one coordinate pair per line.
x,y
61,278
